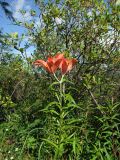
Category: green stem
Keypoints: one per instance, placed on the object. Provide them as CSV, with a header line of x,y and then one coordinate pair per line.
x,y
61,121
61,94
56,77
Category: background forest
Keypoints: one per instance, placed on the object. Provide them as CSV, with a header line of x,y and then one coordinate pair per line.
x,y
33,124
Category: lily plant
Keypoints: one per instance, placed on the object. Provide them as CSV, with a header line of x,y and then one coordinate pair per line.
x,y
65,65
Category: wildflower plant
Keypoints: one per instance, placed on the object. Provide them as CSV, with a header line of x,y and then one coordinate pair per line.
x,y
61,134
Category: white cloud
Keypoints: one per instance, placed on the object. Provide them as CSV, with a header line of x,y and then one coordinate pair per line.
x,y
21,4
28,7
58,20
37,23
18,6
109,38
27,16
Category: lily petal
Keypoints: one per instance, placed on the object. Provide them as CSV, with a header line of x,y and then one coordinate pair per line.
x,y
43,64
63,66
71,63
59,56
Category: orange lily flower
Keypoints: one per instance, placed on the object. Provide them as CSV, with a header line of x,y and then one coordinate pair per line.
x,y
52,63
55,62
67,65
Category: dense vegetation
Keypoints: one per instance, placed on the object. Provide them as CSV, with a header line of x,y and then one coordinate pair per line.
x,y
35,122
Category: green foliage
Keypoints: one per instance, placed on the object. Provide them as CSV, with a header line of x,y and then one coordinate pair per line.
x,y
40,121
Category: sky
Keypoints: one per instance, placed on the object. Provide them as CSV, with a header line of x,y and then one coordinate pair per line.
x,y
7,26
15,6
